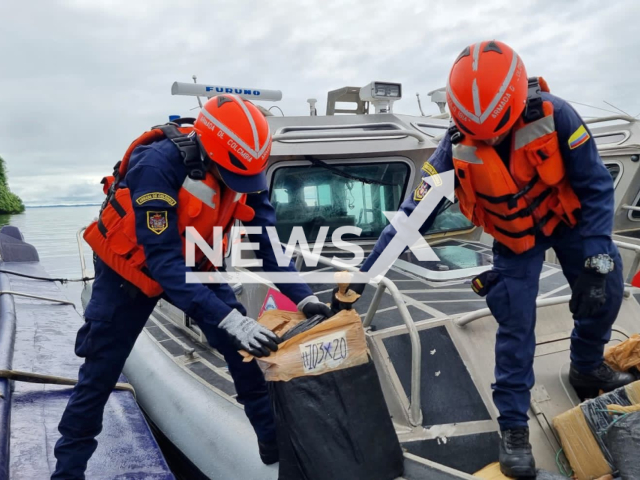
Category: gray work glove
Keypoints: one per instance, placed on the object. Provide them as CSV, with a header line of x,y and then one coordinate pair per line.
x,y
249,335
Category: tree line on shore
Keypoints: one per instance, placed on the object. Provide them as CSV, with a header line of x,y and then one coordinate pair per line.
x,y
9,201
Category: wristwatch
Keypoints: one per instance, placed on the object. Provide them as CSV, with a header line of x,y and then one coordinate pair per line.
x,y
601,263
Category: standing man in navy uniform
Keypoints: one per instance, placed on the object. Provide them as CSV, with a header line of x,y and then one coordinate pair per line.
x,y
171,178
529,173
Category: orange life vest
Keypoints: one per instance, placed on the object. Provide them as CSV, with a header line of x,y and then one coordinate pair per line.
x,y
531,195
202,204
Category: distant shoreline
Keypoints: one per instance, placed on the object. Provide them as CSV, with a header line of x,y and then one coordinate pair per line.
x,y
65,205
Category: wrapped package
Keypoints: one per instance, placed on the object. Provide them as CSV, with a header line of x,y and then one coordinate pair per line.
x,y
331,416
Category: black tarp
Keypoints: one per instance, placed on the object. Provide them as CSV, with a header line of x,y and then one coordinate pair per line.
x,y
335,425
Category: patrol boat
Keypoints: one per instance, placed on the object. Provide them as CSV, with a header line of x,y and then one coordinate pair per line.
x,y
431,338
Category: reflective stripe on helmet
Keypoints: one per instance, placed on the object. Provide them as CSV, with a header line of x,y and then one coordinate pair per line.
x,y
503,88
254,152
239,101
476,56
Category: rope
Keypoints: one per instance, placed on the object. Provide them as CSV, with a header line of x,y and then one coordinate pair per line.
x,y
48,279
28,295
30,377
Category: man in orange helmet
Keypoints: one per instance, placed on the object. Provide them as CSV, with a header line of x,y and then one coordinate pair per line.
x,y
529,173
171,178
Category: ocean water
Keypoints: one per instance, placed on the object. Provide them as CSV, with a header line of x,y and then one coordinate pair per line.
x,y
52,230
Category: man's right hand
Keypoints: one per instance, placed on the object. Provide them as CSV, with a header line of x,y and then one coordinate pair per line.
x,y
337,305
249,335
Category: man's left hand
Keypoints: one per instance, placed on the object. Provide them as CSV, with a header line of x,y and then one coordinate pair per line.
x,y
588,295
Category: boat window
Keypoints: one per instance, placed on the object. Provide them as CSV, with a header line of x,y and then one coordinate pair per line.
x,y
449,219
610,138
455,261
614,170
314,196
633,214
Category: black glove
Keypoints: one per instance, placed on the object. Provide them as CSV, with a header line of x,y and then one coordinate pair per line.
x,y
337,305
312,309
588,293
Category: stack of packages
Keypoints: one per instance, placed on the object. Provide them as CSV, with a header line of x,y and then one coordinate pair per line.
x,y
332,419
602,436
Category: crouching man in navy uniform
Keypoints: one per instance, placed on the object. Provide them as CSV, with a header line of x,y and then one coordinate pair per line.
x,y
171,178
529,173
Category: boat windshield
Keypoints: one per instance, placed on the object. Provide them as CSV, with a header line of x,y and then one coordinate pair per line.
x,y
354,194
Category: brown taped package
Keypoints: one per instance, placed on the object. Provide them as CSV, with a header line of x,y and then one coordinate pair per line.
x,y
491,472
578,443
580,448
625,355
332,345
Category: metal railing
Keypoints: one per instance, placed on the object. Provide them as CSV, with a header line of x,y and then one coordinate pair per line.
x,y
630,207
484,312
415,414
611,118
83,264
546,302
636,258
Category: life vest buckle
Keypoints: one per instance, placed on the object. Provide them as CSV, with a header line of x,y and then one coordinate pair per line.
x,y
455,135
534,110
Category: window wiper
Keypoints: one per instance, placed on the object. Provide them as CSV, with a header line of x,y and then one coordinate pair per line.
x,y
370,181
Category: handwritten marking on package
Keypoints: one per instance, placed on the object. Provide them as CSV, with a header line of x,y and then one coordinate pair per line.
x,y
324,353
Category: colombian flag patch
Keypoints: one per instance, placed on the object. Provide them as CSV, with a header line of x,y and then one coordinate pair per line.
x,y
578,137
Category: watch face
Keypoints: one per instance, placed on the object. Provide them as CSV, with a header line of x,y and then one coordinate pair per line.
x,y
600,263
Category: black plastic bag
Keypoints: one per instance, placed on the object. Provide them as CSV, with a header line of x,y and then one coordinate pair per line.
x,y
335,426
623,442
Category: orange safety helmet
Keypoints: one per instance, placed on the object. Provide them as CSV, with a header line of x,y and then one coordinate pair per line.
x,y
487,90
235,136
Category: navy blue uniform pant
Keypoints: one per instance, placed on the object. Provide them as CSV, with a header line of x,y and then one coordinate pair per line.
x,y
512,301
113,321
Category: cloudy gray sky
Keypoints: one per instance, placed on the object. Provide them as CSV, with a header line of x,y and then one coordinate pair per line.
x,y
79,79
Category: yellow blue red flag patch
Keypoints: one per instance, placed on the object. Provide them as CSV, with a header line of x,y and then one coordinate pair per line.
x,y
579,137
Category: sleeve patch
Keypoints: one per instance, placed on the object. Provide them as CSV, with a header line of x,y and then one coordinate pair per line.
x,y
421,192
157,222
432,172
579,137
156,196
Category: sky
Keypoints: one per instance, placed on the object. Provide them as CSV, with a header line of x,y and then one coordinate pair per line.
x,y
80,79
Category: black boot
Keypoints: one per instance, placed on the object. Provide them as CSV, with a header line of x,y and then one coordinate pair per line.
x,y
268,452
516,459
588,385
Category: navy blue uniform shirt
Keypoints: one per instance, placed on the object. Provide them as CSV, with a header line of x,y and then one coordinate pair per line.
x,y
585,171
158,169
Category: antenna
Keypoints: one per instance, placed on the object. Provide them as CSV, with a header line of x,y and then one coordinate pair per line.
x,y
312,106
195,80
419,104
619,109
208,91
